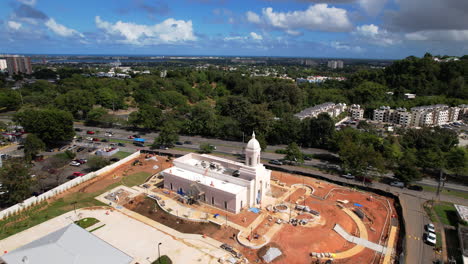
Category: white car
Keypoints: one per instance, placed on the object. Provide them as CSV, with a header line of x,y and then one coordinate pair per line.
x,y
348,176
75,163
430,228
430,238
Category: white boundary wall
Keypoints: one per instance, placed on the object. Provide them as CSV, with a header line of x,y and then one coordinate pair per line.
x,y
63,187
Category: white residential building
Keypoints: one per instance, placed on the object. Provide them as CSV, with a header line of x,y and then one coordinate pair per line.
x,y
331,108
223,183
356,111
3,64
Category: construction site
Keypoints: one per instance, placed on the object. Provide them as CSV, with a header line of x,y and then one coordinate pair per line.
x,y
305,219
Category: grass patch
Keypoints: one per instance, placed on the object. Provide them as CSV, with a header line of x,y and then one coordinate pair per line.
x,y
86,222
163,260
430,213
120,140
446,213
121,154
438,240
461,194
47,211
94,229
136,178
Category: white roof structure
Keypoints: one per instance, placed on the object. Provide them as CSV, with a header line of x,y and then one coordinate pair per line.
x,y
72,245
253,143
207,180
462,211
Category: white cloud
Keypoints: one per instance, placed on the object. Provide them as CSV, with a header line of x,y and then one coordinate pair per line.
x,y
318,17
27,2
168,31
252,17
255,36
372,7
61,30
373,34
252,36
341,46
438,35
14,25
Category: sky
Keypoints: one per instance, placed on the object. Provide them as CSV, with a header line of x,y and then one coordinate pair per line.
x,y
380,29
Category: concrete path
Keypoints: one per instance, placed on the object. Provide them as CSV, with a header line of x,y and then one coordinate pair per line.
x,y
136,238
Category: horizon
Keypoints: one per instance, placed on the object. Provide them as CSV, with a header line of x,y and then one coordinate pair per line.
x,y
354,29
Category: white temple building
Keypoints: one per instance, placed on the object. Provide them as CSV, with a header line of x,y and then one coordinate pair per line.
x,y
223,183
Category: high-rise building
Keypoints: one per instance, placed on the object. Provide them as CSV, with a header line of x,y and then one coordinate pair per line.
x,y
335,64
3,64
17,64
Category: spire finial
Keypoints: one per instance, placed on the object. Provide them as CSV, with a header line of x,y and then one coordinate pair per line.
x,y
253,134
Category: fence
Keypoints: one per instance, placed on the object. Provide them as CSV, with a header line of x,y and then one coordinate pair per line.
x,y
61,188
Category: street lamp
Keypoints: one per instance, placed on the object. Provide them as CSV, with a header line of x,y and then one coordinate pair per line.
x,y
159,253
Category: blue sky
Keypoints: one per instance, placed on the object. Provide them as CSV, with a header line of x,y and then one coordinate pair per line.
x,y
301,28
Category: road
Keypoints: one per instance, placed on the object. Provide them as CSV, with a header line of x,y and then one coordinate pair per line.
x,y
415,218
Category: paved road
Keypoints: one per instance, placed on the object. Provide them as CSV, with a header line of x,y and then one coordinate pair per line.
x,y
415,219
447,185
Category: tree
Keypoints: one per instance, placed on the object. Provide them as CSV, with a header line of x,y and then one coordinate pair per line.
x,y
147,117
16,182
97,162
206,148
319,131
457,161
78,102
407,173
168,136
293,153
50,125
32,146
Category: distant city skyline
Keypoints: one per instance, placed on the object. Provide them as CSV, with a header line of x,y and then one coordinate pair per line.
x,y
380,29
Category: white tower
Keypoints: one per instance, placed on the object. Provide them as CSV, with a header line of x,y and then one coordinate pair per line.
x,y
252,152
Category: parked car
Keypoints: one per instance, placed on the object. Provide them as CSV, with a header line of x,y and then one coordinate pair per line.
x,y
275,162
362,178
105,140
95,139
82,161
114,159
131,137
75,163
415,187
77,174
89,132
307,158
348,176
138,144
188,142
430,228
121,144
80,149
430,238
78,129
397,184
136,136
179,143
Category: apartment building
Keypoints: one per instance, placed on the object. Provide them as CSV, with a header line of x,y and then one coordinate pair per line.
x,y
17,64
335,64
356,112
331,108
432,115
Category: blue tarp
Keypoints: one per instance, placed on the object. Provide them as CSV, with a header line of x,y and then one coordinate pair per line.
x,y
139,140
358,205
254,210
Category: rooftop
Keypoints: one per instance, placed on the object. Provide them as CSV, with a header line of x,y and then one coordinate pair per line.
x,y
71,244
462,211
224,186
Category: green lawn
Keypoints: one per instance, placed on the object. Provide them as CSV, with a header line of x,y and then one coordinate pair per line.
x,y
136,178
94,229
446,213
438,240
120,141
163,260
42,213
121,154
461,194
87,222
